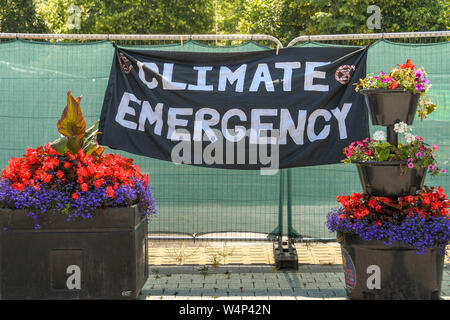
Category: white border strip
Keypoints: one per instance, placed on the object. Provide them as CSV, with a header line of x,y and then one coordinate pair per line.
x,y
111,37
362,36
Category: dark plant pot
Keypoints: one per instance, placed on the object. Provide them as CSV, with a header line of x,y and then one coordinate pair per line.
x,y
375,271
104,257
386,179
387,106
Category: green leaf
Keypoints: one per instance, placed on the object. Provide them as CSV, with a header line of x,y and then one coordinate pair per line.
x,y
60,145
72,121
74,144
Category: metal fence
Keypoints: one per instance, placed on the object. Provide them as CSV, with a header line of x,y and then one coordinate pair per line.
x,y
199,203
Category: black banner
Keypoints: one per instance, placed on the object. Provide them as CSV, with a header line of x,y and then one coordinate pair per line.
x,y
246,110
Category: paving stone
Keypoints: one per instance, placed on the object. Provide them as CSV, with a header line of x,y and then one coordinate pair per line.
x,y
260,292
273,292
196,292
221,293
340,292
153,292
229,298
282,298
300,292
171,291
209,292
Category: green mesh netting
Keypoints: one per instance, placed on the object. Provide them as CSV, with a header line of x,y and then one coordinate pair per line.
x,y
314,189
34,80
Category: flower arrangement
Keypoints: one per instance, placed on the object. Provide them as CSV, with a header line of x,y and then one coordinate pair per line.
x,y
72,176
421,221
414,151
406,77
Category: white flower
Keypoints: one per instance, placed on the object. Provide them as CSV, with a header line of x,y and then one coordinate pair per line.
x,y
409,137
400,127
379,135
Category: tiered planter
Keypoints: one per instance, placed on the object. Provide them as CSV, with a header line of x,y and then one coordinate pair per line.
x,y
387,106
403,274
107,252
390,178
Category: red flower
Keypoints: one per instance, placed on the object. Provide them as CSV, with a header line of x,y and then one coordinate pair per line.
x,y
75,195
407,65
98,183
84,187
59,174
110,192
393,85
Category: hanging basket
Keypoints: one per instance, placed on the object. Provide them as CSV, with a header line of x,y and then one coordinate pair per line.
x,y
390,106
390,178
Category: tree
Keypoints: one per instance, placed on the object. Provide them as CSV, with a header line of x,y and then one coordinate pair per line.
x,y
287,19
17,16
130,16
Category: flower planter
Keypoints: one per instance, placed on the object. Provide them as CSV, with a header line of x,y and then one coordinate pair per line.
x,y
387,106
376,271
387,179
104,257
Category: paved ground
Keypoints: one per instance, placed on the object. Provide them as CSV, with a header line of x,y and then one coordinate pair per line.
x,y
220,280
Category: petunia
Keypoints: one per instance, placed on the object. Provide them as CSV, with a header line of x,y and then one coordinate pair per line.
x,y
410,165
419,87
419,73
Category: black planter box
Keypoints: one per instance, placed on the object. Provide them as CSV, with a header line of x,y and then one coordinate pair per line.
x,y
387,106
386,179
403,273
104,257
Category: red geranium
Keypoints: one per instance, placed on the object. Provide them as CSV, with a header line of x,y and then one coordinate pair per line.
x,y
407,65
429,202
44,166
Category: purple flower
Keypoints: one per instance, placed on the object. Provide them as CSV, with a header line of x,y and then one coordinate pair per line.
x,y
413,230
38,202
419,87
419,73
425,81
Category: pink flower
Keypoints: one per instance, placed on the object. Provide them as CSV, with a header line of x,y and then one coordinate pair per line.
x,y
410,165
444,171
430,167
419,73
435,147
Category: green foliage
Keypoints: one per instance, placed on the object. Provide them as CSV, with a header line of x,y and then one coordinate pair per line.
x,y
130,16
287,19
284,19
20,16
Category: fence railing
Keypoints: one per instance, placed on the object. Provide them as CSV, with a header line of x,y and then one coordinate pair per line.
x,y
288,180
